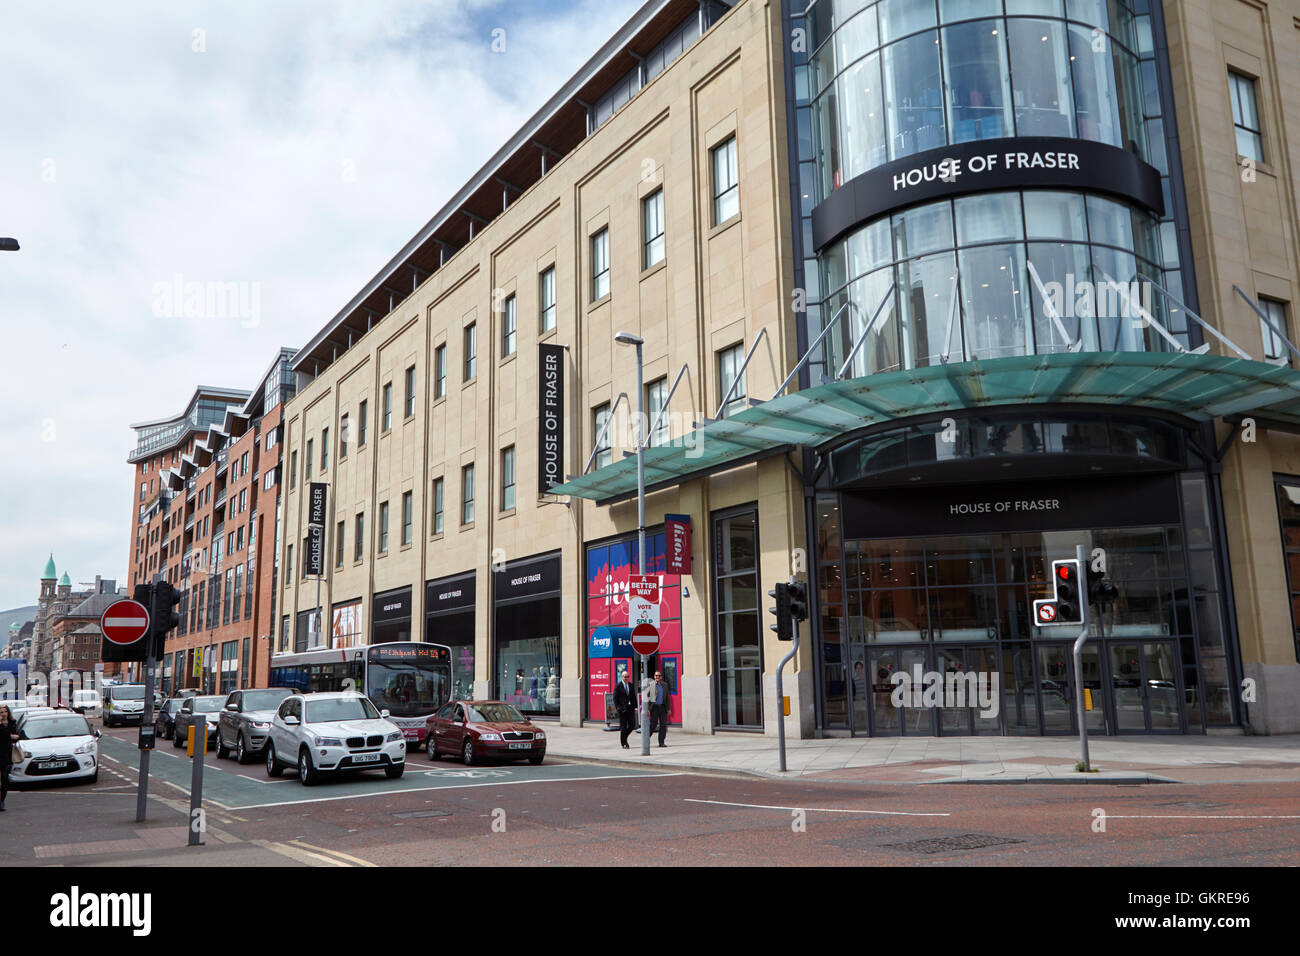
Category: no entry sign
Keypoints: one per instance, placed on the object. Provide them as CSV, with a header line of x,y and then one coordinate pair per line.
x,y
124,622
645,639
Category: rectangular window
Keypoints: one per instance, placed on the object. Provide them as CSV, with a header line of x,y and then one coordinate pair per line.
x,y
243,500
437,506
600,265
467,495
656,398
471,351
410,391
338,545
508,328
243,464
738,629
508,478
1275,350
383,527
239,540
546,289
360,536
1288,504
235,605
343,436
604,454
324,449
288,568
440,372
726,182
1245,116
306,550
652,224
729,364
307,467
387,408
362,419
407,511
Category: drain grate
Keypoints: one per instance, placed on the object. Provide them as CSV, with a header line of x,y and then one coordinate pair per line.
x,y
418,814
966,841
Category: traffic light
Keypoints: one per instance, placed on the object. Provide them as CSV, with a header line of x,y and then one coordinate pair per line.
x,y
1065,578
784,625
162,615
798,600
1101,592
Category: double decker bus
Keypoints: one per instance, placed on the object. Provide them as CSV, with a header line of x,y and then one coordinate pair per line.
x,y
409,679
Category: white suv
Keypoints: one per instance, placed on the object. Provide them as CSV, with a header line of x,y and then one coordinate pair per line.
x,y
328,732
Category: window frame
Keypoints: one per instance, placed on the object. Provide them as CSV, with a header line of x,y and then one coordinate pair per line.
x,y
362,409
1237,82
604,453
649,243
740,399
599,252
509,327
386,407
408,380
381,527
728,152
439,502
440,371
408,516
544,279
508,478
359,532
467,495
1269,338
469,342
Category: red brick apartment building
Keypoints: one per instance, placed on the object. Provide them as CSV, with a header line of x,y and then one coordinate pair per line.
x,y
208,485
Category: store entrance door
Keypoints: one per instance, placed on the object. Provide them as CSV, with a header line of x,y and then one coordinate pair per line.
x,y
1146,686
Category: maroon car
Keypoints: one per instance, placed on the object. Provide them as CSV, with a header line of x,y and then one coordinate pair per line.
x,y
474,729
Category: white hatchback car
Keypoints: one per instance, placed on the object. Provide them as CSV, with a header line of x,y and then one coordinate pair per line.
x,y
333,731
59,745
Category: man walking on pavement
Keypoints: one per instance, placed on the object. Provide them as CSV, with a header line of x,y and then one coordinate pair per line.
x,y
625,704
659,707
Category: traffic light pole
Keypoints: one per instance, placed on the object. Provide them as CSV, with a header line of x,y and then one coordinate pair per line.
x,y
780,694
142,788
1081,557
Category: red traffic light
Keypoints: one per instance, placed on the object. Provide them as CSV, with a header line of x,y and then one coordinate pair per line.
x,y
1065,571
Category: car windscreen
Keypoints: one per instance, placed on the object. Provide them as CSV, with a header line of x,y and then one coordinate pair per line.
x,y
265,699
208,705
493,713
339,708
38,728
134,692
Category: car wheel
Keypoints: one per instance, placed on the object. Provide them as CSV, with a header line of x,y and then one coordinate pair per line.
x,y
432,749
176,738
394,772
94,777
467,754
273,769
306,772
241,750
536,759
222,750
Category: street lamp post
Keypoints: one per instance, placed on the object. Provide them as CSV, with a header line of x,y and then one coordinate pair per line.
x,y
627,338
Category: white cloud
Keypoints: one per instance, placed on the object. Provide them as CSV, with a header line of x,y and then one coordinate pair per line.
x,y
130,158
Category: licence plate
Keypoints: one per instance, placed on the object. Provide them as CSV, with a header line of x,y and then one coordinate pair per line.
x,y
524,745
51,765
365,758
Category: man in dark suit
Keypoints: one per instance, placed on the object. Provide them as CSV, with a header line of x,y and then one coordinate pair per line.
x,y
625,704
659,708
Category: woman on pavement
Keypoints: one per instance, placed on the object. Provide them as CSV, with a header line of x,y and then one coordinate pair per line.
x,y
8,740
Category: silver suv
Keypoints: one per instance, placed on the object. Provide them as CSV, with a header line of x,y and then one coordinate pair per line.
x,y
323,733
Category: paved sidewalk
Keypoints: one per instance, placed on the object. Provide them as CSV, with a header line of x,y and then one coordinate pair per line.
x,y
1193,759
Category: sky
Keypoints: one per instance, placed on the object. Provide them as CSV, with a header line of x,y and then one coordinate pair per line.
x,y
290,147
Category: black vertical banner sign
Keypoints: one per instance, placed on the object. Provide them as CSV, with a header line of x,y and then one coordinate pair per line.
x,y
316,504
550,417
315,556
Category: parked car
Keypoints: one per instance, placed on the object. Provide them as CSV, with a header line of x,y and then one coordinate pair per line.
x,y
87,702
123,704
57,744
473,729
330,732
198,711
164,724
245,721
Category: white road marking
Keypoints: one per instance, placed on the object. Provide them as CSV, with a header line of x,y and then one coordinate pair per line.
x,y
757,806
1203,816
454,786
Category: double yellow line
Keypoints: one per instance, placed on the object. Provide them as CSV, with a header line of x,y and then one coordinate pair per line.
x,y
312,855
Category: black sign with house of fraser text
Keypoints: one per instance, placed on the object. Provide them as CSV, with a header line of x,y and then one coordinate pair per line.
x,y
550,417
316,504
315,556
1027,162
